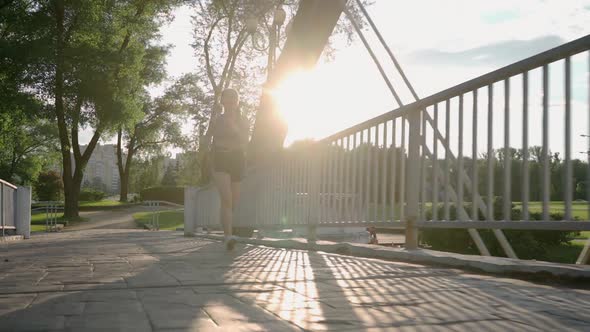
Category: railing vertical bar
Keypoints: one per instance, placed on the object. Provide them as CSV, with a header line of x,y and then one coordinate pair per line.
x,y
474,166
278,188
375,161
384,181
288,187
423,199
303,192
368,175
2,207
333,178
326,181
490,175
507,157
347,179
309,185
361,177
293,187
402,178
460,160
568,141
447,180
588,148
264,198
435,165
545,180
393,167
276,193
269,198
525,146
354,156
341,158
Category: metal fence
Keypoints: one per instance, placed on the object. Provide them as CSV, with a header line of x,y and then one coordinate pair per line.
x,y
433,163
7,207
51,210
15,209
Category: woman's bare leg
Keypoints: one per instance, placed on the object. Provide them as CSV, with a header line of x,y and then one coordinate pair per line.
x,y
235,193
223,183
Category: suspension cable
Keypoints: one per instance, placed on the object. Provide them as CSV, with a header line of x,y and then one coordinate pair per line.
x,y
373,56
397,65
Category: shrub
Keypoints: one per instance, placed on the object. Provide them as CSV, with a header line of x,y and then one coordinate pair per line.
x,y
49,186
90,195
163,193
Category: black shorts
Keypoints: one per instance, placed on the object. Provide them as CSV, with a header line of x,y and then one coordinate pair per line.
x,y
230,162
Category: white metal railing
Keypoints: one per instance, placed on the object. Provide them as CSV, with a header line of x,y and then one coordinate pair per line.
x,y
412,167
15,209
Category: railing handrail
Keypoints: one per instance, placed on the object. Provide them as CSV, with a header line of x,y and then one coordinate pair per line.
x,y
557,53
6,183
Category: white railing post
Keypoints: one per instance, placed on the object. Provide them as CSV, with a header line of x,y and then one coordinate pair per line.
x,y
190,210
23,212
413,180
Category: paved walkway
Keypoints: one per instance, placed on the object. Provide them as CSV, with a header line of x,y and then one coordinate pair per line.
x,y
133,280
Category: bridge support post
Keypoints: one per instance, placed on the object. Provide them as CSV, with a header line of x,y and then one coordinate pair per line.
x,y
190,210
413,180
23,212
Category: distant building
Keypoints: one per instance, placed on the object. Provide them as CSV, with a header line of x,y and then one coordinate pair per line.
x,y
103,165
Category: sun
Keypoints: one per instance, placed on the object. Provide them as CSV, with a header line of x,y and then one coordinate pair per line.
x,y
304,104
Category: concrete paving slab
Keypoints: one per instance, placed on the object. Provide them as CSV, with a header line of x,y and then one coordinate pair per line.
x,y
133,280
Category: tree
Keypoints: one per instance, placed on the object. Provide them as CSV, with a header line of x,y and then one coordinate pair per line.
x,y
169,178
83,63
27,144
233,56
159,127
49,186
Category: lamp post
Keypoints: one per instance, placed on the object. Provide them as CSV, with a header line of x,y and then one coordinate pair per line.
x,y
279,17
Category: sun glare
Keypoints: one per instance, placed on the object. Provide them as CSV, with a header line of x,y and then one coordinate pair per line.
x,y
304,104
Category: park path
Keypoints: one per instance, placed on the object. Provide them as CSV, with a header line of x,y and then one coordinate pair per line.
x,y
116,218
136,280
121,218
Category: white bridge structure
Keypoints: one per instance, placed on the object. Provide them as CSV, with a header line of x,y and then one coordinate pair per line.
x,y
408,167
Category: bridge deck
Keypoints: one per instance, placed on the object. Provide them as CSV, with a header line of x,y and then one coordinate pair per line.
x,y
138,280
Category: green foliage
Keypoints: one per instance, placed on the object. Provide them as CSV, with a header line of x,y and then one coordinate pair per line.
x,y
48,186
163,193
189,170
169,178
27,142
87,62
528,244
146,173
168,220
91,195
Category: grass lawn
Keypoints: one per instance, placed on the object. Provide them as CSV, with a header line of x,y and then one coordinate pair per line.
x,y
579,209
38,221
103,203
39,218
169,220
38,228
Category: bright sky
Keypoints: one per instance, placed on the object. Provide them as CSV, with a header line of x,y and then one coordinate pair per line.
x,y
438,43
